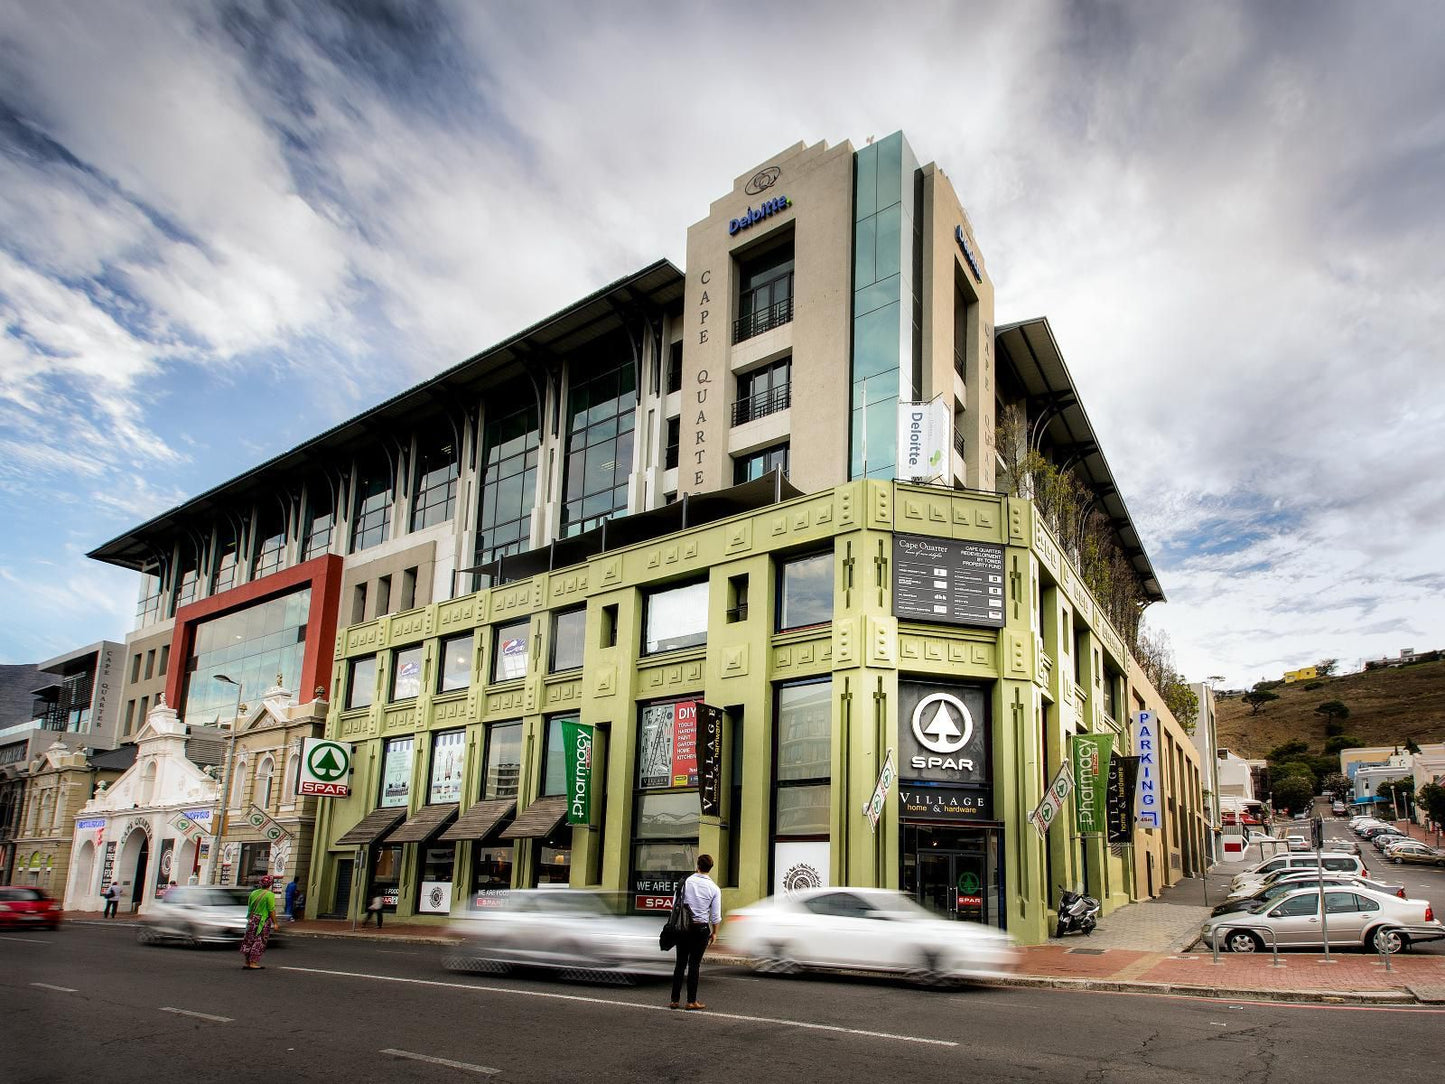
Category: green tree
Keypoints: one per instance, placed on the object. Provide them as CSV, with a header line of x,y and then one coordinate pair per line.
x,y
1293,792
1403,788
1332,710
1156,659
1257,698
1338,786
1327,667
1432,800
1287,750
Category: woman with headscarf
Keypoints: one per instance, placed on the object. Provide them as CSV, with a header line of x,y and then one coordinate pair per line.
x,y
260,921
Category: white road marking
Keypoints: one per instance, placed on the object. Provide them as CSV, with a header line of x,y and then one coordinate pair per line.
x,y
61,989
440,1061
26,940
803,1024
198,1015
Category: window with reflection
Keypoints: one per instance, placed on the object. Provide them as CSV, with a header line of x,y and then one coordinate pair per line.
x,y
804,735
509,656
227,555
361,683
554,756
250,646
456,667
568,639
396,763
148,607
503,761
511,442
371,513
320,520
448,755
406,673
805,591
747,468
270,549
666,808
674,618
601,411
434,482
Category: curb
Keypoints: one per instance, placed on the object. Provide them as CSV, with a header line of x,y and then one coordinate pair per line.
x,y
381,938
1223,993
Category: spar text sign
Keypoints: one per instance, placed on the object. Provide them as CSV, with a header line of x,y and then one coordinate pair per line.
x,y
325,767
1146,792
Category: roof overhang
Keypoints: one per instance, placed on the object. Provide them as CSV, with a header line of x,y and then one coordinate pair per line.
x,y
1039,364
653,289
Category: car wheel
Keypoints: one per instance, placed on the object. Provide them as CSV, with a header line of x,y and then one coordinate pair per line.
x,y
1398,861
777,960
1440,863
1390,940
1243,941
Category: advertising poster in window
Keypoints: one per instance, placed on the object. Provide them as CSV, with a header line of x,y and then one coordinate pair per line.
x,y
396,772
408,679
797,866
668,757
512,657
448,751
436,898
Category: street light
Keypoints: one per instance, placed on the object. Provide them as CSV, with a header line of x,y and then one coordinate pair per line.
x,y
226,786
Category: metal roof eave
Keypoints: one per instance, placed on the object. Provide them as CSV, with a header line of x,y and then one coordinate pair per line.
x,y
659,284
1048,375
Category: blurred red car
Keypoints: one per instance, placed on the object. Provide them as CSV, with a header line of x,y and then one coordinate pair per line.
x,y
20,906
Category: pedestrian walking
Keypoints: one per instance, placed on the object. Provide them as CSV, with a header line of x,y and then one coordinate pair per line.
x,y
260,921
112,899
293,892
702,901
374,908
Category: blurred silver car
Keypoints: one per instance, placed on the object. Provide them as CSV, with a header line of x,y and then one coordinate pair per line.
x,y
865,929
1359,915
197,914
1300,878
584,934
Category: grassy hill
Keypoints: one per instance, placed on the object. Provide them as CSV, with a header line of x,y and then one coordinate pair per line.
x,y
1386,707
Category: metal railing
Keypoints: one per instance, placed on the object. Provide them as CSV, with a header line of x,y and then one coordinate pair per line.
x,y
958,444
764,319
1253,930
762,404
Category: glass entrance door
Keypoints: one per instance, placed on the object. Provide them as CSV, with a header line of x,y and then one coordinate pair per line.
x,y
955,872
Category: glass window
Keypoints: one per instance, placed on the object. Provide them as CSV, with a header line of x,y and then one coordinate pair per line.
x,y
763,391
804,734
1305,904
491,872
148,606
803,811
764,461
504,761
371,517
227,555
270,549
396,772
675,617
601,412
568,632
805,591
448,750
1341,903
456,668
554,765
406,673
320,520
510,452
668,815
434,483
509,659
249,646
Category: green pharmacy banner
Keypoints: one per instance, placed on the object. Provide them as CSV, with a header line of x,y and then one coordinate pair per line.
x,y
577,741
1091,772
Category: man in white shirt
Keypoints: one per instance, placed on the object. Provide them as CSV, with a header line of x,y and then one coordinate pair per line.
x,y
702,900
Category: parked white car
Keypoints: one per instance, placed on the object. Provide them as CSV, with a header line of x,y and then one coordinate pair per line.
x,y
868,929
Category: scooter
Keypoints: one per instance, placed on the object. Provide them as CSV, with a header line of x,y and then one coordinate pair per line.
x,y
1077,912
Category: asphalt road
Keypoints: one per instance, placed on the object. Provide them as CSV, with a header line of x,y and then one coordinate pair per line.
x,y
90,1003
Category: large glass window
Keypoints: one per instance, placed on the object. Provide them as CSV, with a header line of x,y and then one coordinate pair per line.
x,y
675,617
406,673
510,449
361,683
371,515
320,520
804,714
509,657
568,633
554,752
448,752
504,761
765,292
227,555
764,391
456,668
396,772
148,607
434,482
270,548
756,464
250,646
805,591
601,411
188,583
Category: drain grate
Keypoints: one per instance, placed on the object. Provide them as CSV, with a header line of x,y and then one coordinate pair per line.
x,y
1088,951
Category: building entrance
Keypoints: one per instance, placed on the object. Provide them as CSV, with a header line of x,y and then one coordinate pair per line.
x,y
956,872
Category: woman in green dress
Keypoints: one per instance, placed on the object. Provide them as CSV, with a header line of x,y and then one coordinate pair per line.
x,y
260,921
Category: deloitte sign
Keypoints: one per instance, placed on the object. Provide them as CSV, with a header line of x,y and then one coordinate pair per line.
x,y
325,768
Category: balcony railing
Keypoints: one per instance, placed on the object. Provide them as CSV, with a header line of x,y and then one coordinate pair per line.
x,y
762,404
765,319
958,444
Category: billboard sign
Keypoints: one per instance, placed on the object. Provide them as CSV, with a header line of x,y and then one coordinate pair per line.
x,y
947,581
925,433
325,768
668,757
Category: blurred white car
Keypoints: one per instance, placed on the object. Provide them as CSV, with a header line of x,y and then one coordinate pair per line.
x,y
198,914
865,929
586,934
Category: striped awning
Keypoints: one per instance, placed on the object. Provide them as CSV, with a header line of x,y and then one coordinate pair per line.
x,y
424,823
480,820
372,827
538,820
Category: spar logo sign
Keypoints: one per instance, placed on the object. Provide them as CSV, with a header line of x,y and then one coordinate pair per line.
x,y
325,768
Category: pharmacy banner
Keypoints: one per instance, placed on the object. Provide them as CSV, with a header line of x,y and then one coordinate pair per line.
x,y
1053,801
577,742
1091,767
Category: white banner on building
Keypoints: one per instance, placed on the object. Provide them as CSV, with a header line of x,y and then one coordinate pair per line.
x,y
1147,796
799,865
436,898
925,438
1053,800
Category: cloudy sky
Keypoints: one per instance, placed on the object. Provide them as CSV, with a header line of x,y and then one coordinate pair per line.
x,y
226,227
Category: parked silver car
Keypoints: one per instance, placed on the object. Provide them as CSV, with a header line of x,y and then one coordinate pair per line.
x,y
197,914
1416,852
586,934
1357,915
1298,878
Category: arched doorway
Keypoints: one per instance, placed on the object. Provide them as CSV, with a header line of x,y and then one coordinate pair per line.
x,y
82,870
138,879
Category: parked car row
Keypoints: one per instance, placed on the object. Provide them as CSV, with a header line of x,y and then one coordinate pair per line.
x,y
1352,914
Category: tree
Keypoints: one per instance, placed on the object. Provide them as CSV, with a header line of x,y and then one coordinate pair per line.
x,y
1341,742
1332,710
1432,800
1404,789
1411,745
1327,667
1156,659
1338,786
1287,750
1257,698
1293,792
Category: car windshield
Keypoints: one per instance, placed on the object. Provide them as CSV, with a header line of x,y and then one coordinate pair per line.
x,y
28,895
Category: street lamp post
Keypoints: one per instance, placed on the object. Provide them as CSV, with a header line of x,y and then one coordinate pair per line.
x,y
226,785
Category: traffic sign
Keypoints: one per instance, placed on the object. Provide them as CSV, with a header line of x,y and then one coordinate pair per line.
x,y
325,768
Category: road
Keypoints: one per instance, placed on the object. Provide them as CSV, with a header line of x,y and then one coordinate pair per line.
x,y
90,1003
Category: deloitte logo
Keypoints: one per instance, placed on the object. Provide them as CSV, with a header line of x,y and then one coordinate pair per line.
x,y
766,209
326,768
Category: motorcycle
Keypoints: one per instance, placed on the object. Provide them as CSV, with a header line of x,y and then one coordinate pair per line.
x,y
1077,912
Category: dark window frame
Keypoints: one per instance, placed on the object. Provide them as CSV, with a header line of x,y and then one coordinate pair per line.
x,y
351,668
649,599
782,566
556,639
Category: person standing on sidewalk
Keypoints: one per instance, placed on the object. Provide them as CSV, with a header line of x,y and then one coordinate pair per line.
x,y
702,900
293,890
112,899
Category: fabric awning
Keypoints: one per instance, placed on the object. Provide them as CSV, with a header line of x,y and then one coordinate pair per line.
x,y
480,820
538,819
424,823
373,826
